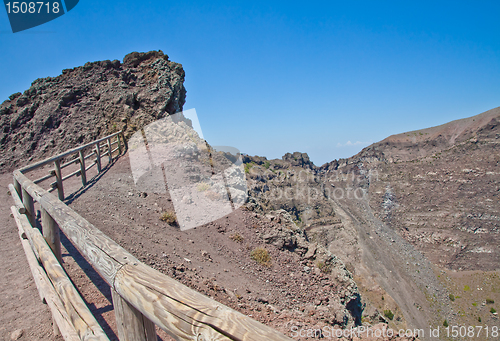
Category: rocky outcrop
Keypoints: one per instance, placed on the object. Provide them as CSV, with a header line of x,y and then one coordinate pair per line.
x,y
86,102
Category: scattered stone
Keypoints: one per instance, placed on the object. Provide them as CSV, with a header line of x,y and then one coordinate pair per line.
x,y
16,334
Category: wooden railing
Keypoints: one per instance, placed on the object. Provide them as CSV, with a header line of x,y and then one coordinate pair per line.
x,y
142,296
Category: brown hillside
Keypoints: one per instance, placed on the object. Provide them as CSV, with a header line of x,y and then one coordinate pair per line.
x,y
87,102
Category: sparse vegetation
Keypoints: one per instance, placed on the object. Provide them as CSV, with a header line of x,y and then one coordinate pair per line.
x,y
466,288
492,310
389,314
489,301
261,256
248,166
237,237
445,323
452,297
168,217
267,164
202,187
324,267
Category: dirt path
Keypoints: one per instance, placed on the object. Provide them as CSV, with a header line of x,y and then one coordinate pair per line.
x,y
20,306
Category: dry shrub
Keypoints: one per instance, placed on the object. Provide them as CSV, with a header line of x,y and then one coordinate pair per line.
x,y
237,237
261,256
169,217
202,187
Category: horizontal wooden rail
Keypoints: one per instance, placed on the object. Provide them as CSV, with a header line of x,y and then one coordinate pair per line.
x,y
90,166
46,290
182,312
69,152
43,178
17,201
82,319
69,163
78,157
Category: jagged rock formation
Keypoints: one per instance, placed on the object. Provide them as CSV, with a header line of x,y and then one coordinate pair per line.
x,y
434,191
440,189
86,102
304,283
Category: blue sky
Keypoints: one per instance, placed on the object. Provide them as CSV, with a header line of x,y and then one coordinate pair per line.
x,y
326,78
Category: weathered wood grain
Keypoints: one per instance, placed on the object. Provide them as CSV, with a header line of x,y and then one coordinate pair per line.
x,y
29,206
183,312
17,201
69,152
47,292
143,295
51,234
22,225
81,318
131,324
17,186
101,251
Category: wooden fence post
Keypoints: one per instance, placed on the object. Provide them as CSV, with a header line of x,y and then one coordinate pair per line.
x,y
51,234
60,190
83,173
132,325
19,191
119,144
124,141
98,159
110,156
30,207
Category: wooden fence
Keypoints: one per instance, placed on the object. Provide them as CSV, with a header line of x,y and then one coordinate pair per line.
x,y
142,296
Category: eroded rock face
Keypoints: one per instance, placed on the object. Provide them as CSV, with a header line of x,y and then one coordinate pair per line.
x,y
87,102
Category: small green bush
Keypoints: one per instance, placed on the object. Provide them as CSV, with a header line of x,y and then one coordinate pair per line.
x,y
479,319
466,288
452,297
261,256
445,323
489,301
389,314
492,310
267,164
248,166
